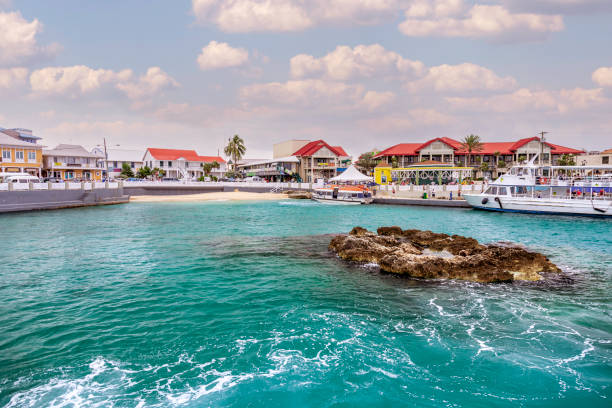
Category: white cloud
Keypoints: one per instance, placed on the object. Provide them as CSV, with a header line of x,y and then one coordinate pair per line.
x,y
153,82
315,94
462,77
80,79
289,15
603,76
18,42
13,77
361,61
527,100
451,18
221,55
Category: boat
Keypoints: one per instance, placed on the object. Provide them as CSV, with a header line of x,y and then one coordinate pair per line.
x,y
541,189
349,195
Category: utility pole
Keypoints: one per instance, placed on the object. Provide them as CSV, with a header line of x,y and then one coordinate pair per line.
x,y
106,160
542,133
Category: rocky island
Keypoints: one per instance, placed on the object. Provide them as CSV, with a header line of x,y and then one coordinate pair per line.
x,y
430,255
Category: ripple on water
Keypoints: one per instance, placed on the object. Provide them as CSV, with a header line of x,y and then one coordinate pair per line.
x,y
230,304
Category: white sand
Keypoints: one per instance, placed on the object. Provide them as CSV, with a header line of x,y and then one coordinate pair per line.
x,y
229,196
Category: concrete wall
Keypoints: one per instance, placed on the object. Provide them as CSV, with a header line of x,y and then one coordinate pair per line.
x,y
11,201
171,190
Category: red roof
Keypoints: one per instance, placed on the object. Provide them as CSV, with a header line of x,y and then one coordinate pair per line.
x,y
402,149
556,149
341,150
490,148
311,148
175,154
447,140
210,159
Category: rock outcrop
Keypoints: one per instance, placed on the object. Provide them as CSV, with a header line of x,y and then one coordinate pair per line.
x,y
429,255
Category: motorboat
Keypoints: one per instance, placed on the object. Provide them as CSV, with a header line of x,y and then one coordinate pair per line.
x,y
337,194
539,189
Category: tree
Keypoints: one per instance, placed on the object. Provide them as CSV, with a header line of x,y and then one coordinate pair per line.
x,y
157,172
566,160
126,170
208,167
471,143
366,161
235,149
501,164
144,172
522,159
496,154
394,162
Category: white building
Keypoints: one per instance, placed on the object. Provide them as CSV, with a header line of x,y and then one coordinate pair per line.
x,y
116,158
186,164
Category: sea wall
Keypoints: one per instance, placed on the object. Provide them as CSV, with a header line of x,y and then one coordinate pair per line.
x,y
14,201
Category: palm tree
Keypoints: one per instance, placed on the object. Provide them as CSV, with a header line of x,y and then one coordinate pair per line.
x,y
566,160
235,149
471,143
496,154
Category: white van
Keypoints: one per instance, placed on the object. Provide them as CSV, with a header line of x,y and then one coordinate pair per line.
x,y
20,178
255,179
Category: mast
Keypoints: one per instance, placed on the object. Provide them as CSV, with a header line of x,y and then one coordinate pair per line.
x,y
542,133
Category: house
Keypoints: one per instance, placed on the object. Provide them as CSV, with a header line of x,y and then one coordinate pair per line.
x,y
316,159
497,155
117,157
72,162
595,158
20,152
185,164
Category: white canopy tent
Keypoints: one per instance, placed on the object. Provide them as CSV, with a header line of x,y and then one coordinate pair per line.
x,y
351,175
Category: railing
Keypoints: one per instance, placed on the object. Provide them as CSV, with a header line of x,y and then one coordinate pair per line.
x,y
88,186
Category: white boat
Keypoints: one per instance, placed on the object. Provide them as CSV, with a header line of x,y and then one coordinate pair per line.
x,y
348,195
570,190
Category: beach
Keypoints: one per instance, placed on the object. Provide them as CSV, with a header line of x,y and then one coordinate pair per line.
x,y
220,196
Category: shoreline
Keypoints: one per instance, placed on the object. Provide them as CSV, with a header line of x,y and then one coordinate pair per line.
x,y
216,196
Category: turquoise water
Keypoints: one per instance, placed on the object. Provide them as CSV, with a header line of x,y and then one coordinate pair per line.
x,y
240,304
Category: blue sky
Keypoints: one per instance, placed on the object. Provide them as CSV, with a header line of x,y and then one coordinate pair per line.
x,y
360,73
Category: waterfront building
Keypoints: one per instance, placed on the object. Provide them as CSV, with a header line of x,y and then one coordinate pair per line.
x,y
594,158
117,157
72,162
498,156
182,163
19,152
316,159
280,169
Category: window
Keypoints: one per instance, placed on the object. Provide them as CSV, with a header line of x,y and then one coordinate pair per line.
x,y
169,164
161,164
6,155
19,155
132,165
31,156
115,164
605,160
69,175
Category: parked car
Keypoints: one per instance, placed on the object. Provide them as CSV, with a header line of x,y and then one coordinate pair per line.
x,y
170,179
133,179
52,180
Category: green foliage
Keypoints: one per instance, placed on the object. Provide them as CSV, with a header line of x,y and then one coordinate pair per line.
x,y
522,158
566,160
208,167
471,143
394,162
501,164
144,172
235,149
484,167
201,178
126,171
366,161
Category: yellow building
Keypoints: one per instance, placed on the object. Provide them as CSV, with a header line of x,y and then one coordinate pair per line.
x,y
72,162
19,152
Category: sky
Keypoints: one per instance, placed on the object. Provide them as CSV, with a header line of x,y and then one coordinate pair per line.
x,y
362,74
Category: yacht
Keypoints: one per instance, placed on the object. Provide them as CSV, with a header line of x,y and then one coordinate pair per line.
x,y
343,195
540,189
